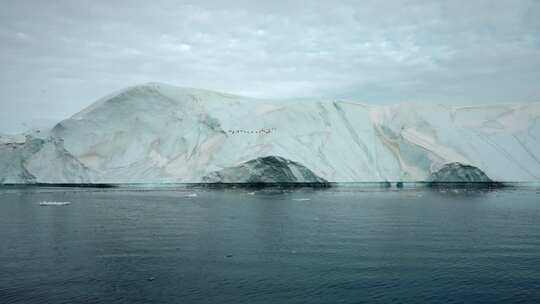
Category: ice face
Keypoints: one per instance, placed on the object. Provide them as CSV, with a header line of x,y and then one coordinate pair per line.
x,y
157,133
40,161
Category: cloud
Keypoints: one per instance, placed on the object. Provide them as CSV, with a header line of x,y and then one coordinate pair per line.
x,y
58,57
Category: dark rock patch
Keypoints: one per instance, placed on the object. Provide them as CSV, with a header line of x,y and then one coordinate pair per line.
x,y
460,174
265,170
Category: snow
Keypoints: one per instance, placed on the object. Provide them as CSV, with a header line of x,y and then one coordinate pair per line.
x,y
155,133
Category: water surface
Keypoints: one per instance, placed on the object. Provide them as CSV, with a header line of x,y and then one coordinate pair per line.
x,y
337,245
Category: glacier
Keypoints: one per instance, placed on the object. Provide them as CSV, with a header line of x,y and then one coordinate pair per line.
x,y
157,133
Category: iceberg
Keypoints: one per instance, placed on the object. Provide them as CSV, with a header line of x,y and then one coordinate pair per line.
x,y
156,133
54,203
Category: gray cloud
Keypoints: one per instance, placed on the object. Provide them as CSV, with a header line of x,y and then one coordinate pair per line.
x,y
59,56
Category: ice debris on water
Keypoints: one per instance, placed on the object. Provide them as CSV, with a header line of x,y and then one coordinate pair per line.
x,y
54,203
191,195
301,199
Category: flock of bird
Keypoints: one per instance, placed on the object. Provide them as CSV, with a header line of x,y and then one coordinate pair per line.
x,y
260,131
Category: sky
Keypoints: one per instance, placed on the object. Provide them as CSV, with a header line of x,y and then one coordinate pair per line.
x,y
57,57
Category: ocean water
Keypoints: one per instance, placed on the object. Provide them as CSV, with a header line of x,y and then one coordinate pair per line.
x,y
337,245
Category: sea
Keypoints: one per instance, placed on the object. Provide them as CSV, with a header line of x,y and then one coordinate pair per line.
x,y
342,244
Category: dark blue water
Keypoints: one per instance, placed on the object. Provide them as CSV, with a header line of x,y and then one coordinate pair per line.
x,y
341,245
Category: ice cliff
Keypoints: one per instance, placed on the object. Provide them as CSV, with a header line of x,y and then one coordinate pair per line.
x,y
37,160
156,133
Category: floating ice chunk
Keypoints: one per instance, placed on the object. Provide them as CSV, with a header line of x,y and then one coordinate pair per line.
x,y
251,193
301,199
54,203
191,195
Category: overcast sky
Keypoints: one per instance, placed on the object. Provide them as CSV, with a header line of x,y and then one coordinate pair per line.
x,y
57,57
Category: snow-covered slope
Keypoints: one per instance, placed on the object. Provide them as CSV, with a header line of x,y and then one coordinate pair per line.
x,y
158,133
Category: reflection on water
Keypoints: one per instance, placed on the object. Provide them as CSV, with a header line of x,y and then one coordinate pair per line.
x,y
341,244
